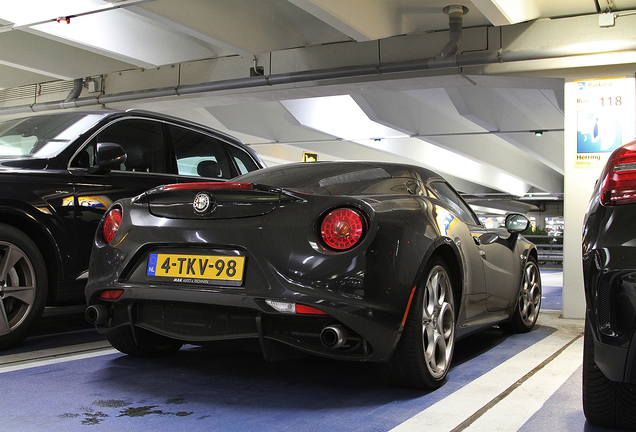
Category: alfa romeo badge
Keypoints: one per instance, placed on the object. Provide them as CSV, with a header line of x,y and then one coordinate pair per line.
x,y
202,202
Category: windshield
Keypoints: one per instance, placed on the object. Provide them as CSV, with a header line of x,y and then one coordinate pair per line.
x,y
42,136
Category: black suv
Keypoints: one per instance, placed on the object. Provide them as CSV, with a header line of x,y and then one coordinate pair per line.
x,y
58,175
609,268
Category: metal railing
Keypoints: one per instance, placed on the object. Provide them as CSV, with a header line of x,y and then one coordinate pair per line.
x,y
549,248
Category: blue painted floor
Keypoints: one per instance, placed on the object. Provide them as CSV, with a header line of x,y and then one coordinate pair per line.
x,y
220,388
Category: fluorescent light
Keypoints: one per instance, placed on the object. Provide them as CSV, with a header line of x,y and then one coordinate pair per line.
x,y
339,116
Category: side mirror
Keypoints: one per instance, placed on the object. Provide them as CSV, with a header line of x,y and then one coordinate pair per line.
x,y
109,156
516,223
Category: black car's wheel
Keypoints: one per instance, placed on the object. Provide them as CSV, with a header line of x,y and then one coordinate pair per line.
x,y
423,356
150,345
529,301
605,403
23,286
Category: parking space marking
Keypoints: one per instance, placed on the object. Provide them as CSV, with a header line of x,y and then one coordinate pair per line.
x,y
525,400
454,410
14,362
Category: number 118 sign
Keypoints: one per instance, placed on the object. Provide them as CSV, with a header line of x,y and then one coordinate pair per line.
x,y
605,118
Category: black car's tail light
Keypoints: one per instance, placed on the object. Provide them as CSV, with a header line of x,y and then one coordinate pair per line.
x,y
619,177
208,186
111,224
343,228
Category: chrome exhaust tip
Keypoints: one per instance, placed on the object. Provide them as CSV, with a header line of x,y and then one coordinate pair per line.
x,y
96,314
333,336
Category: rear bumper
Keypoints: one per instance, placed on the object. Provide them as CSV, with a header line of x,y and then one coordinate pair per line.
x,y
611,309
196,317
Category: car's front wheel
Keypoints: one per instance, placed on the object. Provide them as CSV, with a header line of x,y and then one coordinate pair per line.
x,y
528,303
423,355
143,343
605,403
23,286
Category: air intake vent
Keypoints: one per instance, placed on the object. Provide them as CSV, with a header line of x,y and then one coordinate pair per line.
x,y
32,91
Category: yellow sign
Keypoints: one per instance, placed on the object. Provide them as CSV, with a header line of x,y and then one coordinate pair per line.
x,y
310,157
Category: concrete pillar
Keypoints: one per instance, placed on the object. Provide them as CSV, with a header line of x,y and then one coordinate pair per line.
x,y
586,101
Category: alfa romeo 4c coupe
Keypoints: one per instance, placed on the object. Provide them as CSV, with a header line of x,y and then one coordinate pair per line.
x,y
361,261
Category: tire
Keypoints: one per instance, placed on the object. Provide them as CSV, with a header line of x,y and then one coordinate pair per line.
x,y
423,355
150,345
605,403
528,304
23,286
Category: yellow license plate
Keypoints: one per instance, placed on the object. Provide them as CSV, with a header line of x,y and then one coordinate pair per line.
x,y
207,267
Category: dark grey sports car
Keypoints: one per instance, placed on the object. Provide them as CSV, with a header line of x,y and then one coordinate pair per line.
x,y
349,260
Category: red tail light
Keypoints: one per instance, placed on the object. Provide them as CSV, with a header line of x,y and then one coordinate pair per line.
x,y
111,224
308,310
343,228
207,186
619,177
113,294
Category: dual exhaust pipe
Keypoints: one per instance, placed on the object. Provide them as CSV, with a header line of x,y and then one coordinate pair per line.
x,y
97,314
333,336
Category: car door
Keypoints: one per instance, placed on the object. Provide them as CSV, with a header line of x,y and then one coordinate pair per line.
x,y
499,262
147,165
501,265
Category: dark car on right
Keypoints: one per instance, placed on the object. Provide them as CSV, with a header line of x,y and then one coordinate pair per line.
x,y
609,267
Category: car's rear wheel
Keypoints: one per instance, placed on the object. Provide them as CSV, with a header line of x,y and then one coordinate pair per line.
x,y
146,344
605,403
23,286
423,355
528,304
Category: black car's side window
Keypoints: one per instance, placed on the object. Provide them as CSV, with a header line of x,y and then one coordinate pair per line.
x,y
450,197
198,154
243,161
142,140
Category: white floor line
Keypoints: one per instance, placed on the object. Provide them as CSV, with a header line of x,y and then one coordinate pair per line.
x,y
453,410
55,356
530,396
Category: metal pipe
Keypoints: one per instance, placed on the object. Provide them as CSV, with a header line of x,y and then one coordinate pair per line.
x,y
76,90
455,22
431,63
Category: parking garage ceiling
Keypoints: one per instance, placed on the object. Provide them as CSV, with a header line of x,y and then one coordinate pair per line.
x,y
492,132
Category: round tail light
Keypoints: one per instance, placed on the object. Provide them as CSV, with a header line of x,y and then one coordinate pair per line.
x,y
111,224
343,228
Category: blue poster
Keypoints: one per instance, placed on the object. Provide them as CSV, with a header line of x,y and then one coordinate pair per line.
x,y
598,132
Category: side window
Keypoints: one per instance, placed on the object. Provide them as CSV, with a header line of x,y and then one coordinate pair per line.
x,y
450,197
198,154
85,158
142,141
243,160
